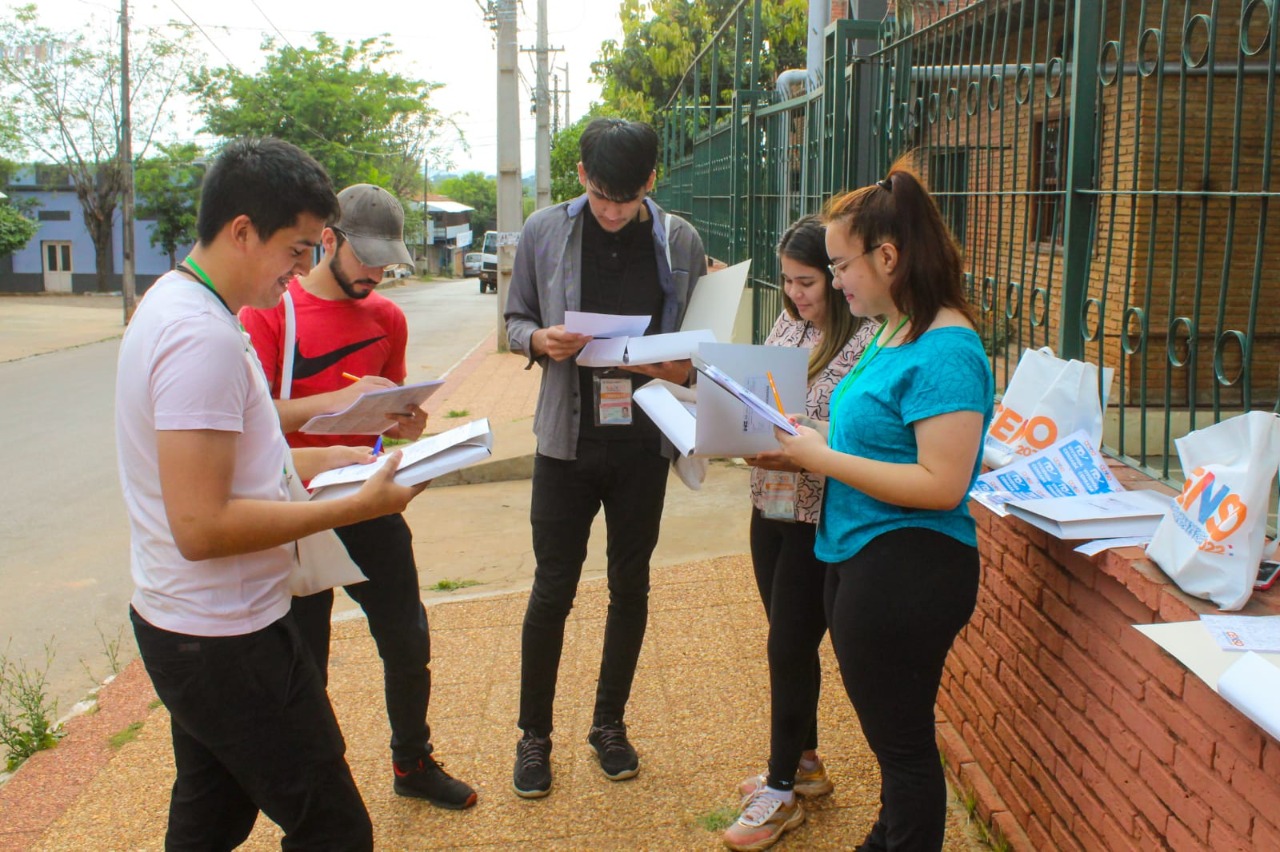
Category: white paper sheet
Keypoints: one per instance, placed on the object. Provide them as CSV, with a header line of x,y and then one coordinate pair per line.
x,y
1244,632
605,325
715,300
1252,685
368,414
755,404
1091,548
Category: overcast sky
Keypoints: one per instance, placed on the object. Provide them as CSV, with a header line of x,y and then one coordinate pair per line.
x,y
443,41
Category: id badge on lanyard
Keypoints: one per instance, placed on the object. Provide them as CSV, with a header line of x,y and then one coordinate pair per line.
x,y
779,495
611,398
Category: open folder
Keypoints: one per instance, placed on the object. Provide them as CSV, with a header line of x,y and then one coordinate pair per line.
x,y
726,413
368,414
424,459
620,340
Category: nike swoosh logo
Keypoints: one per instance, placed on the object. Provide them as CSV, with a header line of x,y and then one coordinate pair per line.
x,y
305,368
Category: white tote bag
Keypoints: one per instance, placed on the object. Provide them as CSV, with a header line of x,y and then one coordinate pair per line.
x,y
1211,539
323,562
1047,398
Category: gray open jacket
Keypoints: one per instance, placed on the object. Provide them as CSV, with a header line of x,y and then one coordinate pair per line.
x,y
546,282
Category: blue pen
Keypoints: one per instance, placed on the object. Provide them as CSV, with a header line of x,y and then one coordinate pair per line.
x,y
377,446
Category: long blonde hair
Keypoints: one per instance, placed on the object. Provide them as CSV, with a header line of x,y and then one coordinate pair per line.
x,y
805,242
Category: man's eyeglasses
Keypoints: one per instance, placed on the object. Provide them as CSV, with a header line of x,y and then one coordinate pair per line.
x,y
837,269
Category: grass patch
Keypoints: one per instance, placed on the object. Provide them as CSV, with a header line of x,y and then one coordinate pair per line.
x,y
155,705
453,585
718,820
121,738
457,413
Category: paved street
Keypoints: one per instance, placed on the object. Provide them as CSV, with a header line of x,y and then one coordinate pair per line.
x,y
64,579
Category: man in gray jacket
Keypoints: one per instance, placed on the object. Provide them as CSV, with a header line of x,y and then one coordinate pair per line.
x,y
611,250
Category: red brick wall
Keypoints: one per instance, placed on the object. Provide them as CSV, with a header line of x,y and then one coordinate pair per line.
x,y
1072,730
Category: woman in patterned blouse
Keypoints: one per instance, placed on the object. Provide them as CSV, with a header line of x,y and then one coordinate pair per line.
x,y
784,517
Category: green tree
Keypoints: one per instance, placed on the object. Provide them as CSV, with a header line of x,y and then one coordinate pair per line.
x,y
168,190
564,160
661,38
339,103
16,230
474,190
63,90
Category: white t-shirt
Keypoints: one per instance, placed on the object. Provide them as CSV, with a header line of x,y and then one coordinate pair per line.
x,y
186,364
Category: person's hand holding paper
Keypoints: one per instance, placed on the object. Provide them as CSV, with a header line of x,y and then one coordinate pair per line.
x,y
557,343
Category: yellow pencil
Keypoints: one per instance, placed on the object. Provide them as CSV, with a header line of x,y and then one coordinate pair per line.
x,y
776,398
350,377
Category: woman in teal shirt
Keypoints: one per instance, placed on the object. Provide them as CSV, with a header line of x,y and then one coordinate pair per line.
x,y
900,454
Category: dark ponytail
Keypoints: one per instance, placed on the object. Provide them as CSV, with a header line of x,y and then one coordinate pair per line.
x,y
900,210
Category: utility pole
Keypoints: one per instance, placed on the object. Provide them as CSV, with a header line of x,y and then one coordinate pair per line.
x,y
568,117
542,145
555,105
510,200
128,285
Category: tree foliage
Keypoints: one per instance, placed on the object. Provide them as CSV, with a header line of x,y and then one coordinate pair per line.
x,y
16,230
168,191
661,39
474,190
339,103
564,160
63,90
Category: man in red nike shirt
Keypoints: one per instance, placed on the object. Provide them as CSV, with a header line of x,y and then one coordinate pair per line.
x,y
340,325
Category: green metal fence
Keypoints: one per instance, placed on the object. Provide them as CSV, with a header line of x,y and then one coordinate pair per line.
x,y
1105,164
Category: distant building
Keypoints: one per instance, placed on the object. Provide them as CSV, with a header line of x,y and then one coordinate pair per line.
x,y
60,257
447,233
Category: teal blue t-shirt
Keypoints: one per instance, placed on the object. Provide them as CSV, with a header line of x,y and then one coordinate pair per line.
x,y
945,370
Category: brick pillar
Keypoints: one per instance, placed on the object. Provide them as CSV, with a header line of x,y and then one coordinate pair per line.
x,y
839,9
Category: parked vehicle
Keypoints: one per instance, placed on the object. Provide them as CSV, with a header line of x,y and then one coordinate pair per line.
x,y
489,262
471,263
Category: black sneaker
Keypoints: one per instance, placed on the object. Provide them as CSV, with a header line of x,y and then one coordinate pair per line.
x,y
617,758
532,776
426,779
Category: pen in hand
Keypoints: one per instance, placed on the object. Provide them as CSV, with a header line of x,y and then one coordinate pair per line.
x,y
777,399
377,446
350,377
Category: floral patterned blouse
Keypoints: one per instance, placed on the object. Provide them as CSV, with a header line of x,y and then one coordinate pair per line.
x,y
802,333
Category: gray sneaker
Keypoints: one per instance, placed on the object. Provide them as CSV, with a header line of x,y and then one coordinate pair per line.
x,y
532,776
617,758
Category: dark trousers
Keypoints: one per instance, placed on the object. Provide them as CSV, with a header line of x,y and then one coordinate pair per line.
x,y
791,582
894,610
252,731
392,603
628,478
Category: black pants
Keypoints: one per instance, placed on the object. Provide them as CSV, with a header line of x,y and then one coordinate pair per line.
x,y
894,610
252,730
791,582
629,478
392,602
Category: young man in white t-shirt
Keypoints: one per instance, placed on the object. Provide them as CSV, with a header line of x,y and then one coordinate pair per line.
x,y
203,468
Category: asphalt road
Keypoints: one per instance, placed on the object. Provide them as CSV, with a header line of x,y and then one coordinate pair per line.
x,y
64,559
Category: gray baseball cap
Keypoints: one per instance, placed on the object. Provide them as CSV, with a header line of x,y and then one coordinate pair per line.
x,y
372,220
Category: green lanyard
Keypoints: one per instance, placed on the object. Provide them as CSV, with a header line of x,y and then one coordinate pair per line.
x,y
204,279
872,351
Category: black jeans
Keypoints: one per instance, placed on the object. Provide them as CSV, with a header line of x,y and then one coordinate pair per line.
x,y
392,603
791,582
894,610
629,478
252,730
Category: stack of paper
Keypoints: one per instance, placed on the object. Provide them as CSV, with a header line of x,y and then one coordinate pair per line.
x,y
1068,467
423,460
1090,516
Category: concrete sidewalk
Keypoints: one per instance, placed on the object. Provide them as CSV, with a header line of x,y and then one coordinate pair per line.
x,y
698,715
